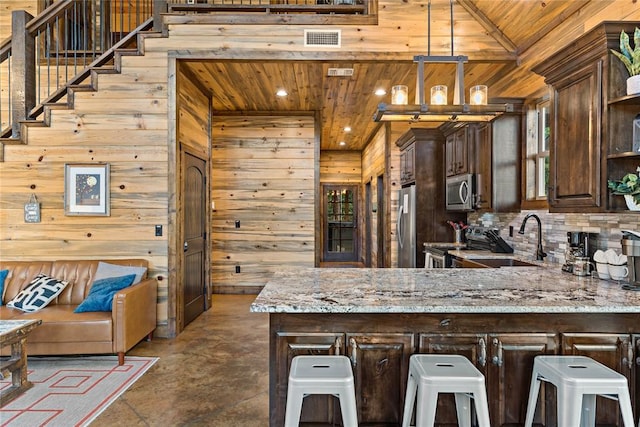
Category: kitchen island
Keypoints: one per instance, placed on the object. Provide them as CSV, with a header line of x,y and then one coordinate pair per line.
x,y
499,318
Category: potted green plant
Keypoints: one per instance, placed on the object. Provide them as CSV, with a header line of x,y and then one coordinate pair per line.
x,y
631,59
629,187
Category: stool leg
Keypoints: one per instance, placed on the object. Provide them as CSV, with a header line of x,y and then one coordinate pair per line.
x,y
534,389
588,417
293,408
348,408
625,407
482,407
463,409
569,408
409,401
426,407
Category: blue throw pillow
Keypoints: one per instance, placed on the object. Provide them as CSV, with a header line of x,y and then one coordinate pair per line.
x,y
101,294
3,275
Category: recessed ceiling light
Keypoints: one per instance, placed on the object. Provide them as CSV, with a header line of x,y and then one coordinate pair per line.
x,y
281,92
347,128
380,92
342,143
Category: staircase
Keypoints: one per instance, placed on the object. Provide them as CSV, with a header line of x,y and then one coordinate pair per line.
x,y
28,53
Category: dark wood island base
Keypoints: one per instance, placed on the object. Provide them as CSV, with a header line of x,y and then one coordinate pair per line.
x,y
501,345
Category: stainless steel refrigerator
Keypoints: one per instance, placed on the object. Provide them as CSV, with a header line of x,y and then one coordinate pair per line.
x,y
406,227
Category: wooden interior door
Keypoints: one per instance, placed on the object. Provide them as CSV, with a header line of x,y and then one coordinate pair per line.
x,y
339,223
195,237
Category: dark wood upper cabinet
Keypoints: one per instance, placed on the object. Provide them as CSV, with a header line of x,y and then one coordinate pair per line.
x,y
590,121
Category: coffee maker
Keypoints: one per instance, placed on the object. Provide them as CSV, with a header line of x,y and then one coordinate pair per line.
x,y
631,248
580,244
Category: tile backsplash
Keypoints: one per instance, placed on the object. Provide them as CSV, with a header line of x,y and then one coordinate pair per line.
x,y
555,227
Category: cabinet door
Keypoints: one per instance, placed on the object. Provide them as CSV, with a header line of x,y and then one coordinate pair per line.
x,y
480,138
576,113
288,345
450,161
612,350
509,376
461,155
380,365
407,164
635,377
472,346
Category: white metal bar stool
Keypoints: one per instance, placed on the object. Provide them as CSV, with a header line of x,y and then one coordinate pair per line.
x,y
321,375
578,380
430,374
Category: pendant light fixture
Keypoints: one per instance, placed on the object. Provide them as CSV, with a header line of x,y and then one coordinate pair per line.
x,y
477,110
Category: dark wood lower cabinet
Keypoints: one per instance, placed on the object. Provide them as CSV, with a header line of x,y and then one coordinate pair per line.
x,y
502,346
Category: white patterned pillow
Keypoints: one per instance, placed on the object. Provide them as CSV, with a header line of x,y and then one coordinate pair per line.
x,y
37,294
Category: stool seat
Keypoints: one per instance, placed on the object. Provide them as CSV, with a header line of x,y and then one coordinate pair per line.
x,y
430,374
578,380
321,375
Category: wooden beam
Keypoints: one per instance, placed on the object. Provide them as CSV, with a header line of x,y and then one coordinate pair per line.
x,y
488,25
23,70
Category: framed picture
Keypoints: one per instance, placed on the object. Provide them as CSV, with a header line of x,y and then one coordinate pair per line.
x,y
86,189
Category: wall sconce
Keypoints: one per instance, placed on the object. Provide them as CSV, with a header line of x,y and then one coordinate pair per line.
x,y
478,95
400,95
439,95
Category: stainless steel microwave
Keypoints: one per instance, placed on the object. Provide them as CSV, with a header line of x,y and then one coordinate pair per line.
x,y
460,192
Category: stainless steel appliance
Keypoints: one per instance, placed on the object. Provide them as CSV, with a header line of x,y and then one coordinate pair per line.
x,y
460,193
580,244
631,248
406,227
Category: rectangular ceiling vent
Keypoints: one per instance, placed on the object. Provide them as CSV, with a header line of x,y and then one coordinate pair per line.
x,y
322,38
340,72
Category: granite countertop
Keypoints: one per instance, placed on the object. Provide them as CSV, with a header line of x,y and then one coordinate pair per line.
x,y
401,290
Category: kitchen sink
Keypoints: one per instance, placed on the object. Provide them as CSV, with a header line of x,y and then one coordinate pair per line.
x,y
502,262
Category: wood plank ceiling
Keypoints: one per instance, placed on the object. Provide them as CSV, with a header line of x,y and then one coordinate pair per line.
x,y
513,25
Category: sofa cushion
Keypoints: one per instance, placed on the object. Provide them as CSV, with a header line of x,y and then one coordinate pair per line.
x,y
100,296
61,325
38,293
3,275
106,270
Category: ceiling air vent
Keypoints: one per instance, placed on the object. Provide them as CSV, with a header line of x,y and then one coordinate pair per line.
x,y
322,38
340,72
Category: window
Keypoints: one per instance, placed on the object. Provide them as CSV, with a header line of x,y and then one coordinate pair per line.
x,y
537,152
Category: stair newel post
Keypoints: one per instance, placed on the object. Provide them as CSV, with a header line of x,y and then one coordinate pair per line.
x,y
23,70
159,7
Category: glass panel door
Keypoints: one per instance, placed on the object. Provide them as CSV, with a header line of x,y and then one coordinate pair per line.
x,y
340,223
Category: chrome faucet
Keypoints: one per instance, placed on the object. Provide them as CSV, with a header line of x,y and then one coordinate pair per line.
x,y
539,252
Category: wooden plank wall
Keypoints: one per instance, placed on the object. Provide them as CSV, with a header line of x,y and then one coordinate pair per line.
x,y
262,179
193,129
123,124
373,165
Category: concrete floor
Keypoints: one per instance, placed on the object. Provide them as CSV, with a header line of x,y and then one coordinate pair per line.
x,y
215,373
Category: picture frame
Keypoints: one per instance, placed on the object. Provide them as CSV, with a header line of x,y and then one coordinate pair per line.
x,y
86,189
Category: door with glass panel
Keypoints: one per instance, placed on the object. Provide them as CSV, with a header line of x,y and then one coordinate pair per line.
x,y
339,221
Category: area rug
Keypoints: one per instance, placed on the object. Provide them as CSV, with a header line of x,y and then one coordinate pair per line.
x,y
70,391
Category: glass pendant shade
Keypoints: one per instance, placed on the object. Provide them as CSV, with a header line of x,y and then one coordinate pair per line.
x,y
439,95
478,95
399,95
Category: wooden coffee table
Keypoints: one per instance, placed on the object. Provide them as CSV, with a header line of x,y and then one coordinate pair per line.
x,y
14,333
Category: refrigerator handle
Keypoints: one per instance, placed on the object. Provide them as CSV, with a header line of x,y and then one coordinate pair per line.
x,y
399,227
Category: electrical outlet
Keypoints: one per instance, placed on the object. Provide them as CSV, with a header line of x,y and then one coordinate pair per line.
x,y
237,224
158,230
237,269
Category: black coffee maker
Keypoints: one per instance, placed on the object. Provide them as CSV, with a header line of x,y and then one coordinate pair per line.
x,y
580,244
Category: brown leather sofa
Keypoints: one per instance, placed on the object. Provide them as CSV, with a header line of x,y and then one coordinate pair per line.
x,y
62,331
